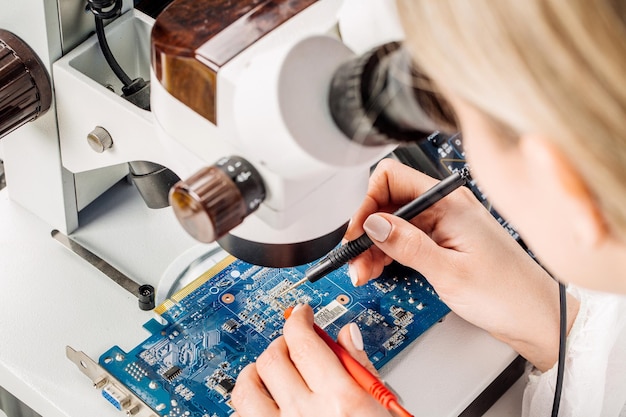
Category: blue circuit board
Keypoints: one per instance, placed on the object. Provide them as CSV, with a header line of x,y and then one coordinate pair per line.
x,y
225,319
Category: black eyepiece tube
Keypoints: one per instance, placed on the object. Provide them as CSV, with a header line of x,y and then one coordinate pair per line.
x,y
381,97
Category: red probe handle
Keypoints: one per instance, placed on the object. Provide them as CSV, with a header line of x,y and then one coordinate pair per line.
x,y
360,374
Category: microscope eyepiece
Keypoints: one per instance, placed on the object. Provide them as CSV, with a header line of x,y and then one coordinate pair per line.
x,y
381,97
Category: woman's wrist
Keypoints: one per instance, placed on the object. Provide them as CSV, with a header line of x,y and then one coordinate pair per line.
x,y
538,341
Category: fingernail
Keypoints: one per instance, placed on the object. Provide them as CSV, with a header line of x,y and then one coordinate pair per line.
x,y
377,227
356,336
354,274
297,307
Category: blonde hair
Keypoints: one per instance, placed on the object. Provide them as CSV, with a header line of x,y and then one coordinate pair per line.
x,y
554,67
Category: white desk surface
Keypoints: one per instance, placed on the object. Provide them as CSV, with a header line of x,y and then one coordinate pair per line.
x,y
51,298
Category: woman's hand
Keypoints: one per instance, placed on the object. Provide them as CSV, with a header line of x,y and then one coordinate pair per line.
x,y
475,266
298,375
473,263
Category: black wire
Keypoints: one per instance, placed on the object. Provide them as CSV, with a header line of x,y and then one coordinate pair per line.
x,y
562,340
107,9
108,55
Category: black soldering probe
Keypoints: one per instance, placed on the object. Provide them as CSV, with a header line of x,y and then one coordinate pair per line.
x,y
343,254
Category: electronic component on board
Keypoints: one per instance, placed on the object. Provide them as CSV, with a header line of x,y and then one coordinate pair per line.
x,y
114,396
230,325
225,387
172,373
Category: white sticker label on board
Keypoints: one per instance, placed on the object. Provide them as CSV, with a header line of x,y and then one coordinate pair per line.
x,y
329,314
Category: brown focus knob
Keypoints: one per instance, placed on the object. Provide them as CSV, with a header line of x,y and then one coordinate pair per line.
x,y
216,199
25,90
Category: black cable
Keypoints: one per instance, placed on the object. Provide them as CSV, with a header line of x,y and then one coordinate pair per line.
x,y
108,55
562,340
108,9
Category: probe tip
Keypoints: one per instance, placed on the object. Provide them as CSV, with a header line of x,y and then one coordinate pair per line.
x,y
292,287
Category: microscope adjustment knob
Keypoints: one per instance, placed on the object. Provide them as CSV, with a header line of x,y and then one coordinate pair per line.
x,y
216,199
25,89
99,139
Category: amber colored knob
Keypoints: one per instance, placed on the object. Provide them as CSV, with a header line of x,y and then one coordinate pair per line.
x,y
25,90
216,199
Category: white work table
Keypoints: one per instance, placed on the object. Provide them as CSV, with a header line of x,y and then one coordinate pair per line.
x,y
51,298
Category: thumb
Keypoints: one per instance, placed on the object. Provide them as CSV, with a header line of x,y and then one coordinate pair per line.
x,y
351,340
404,242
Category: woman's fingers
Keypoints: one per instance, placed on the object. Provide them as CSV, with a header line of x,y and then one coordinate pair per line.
x,y
280,376
351,340
318,365
368,265
250,397
300,375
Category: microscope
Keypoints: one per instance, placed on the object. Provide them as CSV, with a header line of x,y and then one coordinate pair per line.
x,y
252,124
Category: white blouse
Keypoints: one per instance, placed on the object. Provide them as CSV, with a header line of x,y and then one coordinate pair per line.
x,y
594,381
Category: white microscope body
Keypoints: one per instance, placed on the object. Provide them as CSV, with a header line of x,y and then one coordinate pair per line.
x,y
270,107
